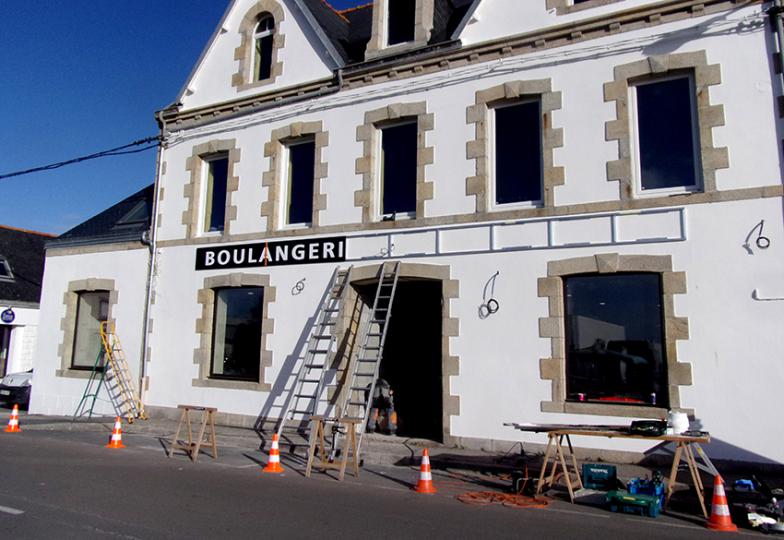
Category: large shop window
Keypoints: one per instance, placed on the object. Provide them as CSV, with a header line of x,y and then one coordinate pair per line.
x,y
401,21
263,39
614,339
398,170
236,343
215,194
518,153
298,189
92,308
667,140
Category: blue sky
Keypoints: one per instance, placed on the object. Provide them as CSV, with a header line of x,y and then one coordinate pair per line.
x,y
80,76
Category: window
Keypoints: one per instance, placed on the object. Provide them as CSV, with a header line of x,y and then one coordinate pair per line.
x,y
215,194
398,170
92,308
263,47
5,270
298,183
666,142
400,21
517,153
614,339
236,340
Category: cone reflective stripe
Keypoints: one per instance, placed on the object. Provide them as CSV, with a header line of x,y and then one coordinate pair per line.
x,y
116,440
273,466
13,422
425,484
720,519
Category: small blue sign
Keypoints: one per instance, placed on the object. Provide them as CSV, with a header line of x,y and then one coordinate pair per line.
x,y
8,316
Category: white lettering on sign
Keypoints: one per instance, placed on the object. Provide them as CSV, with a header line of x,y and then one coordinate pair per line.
x,y
313,252
298,253
281,253
328,251
224,257
209,258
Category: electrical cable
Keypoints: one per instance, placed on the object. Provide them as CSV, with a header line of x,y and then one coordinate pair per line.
x,y
118,151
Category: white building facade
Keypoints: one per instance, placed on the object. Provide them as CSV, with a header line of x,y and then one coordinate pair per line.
x,y
585,198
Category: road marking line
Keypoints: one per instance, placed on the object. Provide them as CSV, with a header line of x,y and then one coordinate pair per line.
x,y
9,510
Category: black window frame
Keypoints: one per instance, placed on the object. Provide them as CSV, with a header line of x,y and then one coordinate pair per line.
x,y
263,48
638,152
255,357
494,154
646,398
400,22
288,183
409,191
212,212
90,365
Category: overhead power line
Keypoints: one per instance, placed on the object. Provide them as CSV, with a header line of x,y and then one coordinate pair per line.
x,y
119,151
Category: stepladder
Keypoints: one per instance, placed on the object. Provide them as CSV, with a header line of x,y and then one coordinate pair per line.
x,y
122,389
192,445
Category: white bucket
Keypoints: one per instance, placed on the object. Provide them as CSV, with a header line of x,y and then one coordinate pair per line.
x,y
678,421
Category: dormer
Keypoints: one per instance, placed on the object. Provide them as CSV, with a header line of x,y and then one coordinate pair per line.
x,y
399,25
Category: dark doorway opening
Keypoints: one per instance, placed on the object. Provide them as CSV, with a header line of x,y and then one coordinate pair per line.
x,y
411,362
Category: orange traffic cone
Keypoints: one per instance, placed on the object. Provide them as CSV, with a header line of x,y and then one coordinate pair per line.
x,y
720,519
425,484
116,440
13,422
273,465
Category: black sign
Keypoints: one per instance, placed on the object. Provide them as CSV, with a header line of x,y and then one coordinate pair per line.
x,y
8,316
320,250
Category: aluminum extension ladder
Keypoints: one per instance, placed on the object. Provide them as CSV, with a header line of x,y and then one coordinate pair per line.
x,y
125,397
358,396
309,385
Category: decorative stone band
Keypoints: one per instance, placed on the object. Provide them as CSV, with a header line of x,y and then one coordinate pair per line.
x,y
479,149
553,328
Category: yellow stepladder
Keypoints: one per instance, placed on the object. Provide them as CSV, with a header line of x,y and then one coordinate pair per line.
x,y
124,395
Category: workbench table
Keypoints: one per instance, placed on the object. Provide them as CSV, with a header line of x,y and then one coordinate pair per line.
x,y
686,448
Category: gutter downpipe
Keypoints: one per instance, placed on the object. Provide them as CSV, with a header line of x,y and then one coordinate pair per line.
x,y
150,239
776,13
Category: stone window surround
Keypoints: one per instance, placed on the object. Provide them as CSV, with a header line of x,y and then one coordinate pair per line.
x,y
708,116
450,326
68,322
423,25
564,7
192,217
243,78
368,134
202,356
553,327
272,178
479,148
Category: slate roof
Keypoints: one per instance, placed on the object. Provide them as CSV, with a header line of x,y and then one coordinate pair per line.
x,y
349,30
123,222
24,251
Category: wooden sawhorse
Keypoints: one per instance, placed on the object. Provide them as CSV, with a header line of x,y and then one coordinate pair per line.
x,y
192,446
318,444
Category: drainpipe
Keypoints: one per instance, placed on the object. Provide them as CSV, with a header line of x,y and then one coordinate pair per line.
x,y
149,238
775,13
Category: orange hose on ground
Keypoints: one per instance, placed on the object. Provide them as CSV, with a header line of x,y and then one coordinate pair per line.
x,y
483,498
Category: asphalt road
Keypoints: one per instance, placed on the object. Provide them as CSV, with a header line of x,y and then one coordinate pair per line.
x,y
67,485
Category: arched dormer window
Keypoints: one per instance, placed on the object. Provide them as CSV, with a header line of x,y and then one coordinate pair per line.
x,y
263,47
261,40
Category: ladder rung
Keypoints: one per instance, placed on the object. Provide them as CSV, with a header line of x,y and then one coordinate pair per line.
x,y
331,310
374,348
322,336
314,365
300,412
305,395
310,380
374,334
362,403
359,374
319,351
366,360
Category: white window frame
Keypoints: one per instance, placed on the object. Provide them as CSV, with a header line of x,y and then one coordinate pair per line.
x,y
378,202
256,37
285,183
635,139
205,180
492,156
